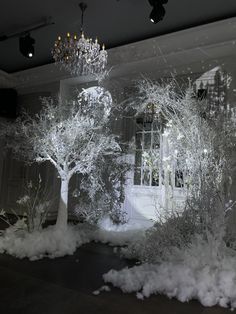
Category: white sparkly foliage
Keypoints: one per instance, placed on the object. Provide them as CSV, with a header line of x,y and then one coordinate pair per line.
x,y
72,136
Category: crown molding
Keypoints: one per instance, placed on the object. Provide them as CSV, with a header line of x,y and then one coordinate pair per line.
x,y
7,80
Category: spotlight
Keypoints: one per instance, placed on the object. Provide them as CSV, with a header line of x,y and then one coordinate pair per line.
x,y
157,14
158,11
27,46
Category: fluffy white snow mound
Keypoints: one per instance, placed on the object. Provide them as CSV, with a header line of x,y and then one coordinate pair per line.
x,y
118,235
49,242
193,277
116,238
52,242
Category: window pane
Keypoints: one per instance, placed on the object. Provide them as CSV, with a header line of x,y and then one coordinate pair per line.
x,y
139,121
146,177
179,179
138,158
137,176
156,141
155,125
139,140
147,126
202,93
139,124
147,140
155,177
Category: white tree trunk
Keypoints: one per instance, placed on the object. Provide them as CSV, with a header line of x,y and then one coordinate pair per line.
x,y
62,215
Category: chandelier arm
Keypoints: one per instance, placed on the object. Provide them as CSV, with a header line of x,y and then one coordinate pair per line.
x,y
95,59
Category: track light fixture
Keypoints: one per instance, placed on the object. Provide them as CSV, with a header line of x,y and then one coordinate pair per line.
x,y
26,44
158,11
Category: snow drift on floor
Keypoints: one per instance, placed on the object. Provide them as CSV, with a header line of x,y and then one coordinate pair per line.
x,y
193,277
118,235
52,242
49,242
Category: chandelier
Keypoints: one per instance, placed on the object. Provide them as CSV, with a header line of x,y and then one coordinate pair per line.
x,y
80,55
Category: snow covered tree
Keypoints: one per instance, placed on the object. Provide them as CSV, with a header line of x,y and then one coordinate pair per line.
x,y
71,136
188,255
199,141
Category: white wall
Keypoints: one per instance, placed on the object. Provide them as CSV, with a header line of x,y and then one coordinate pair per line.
x,y
16,174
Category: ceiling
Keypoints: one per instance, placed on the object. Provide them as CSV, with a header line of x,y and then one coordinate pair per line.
x,y
114,22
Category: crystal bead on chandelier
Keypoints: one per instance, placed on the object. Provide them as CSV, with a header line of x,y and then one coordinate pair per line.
x,y
80,55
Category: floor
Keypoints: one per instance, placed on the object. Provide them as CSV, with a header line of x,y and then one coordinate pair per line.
x,y
65,286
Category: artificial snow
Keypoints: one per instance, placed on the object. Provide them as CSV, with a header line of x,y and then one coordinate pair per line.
x,y
103,288
54,242
50,242
194,276
107,224
118,235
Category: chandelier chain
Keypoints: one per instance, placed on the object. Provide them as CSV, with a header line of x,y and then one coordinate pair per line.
x,y
83,7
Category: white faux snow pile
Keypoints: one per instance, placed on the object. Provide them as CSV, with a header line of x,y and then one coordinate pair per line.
x,y
50,242
107,224
210,282
118,235
116,238
103,288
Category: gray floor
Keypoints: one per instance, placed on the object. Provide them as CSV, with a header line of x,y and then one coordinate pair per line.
x,y
65,286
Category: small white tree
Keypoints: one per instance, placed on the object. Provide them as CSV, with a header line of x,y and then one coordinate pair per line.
x,y
71,136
